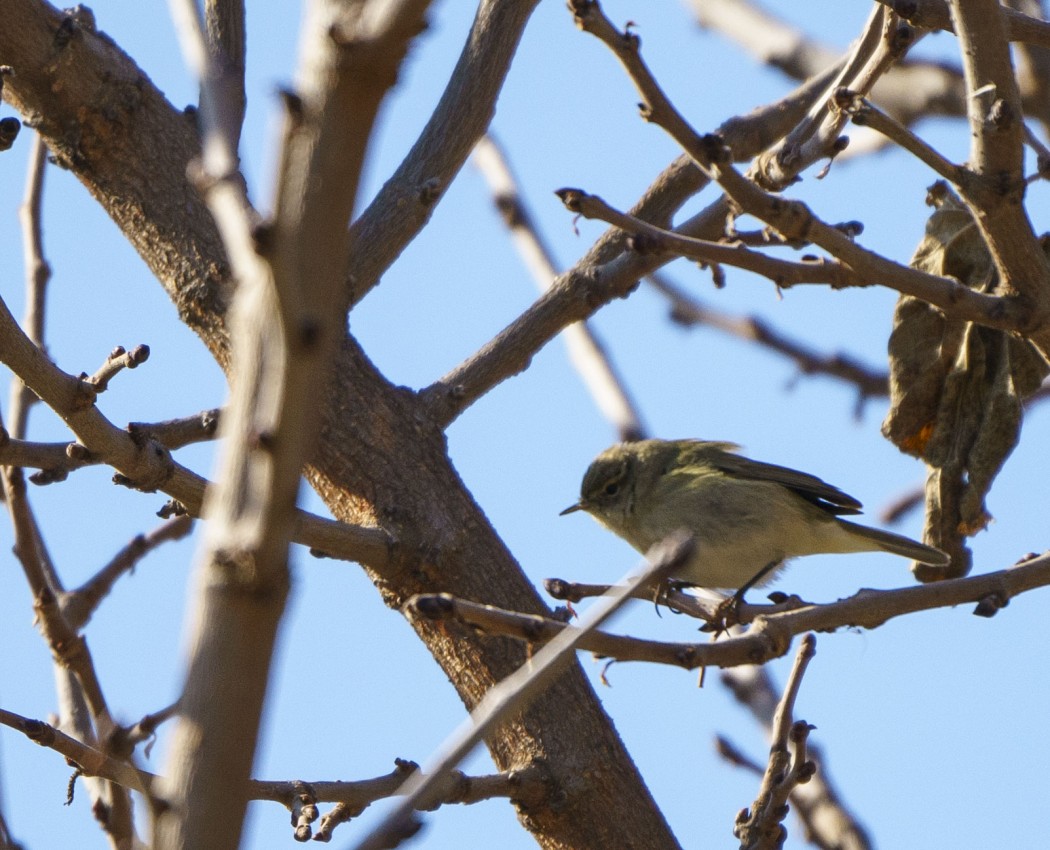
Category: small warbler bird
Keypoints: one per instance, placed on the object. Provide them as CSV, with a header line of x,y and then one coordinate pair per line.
x,y
747,517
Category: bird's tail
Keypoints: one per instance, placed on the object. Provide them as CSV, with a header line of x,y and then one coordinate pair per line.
x,y
898,544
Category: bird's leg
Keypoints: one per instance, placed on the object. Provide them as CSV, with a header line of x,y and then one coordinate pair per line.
x,y
728,612
738,597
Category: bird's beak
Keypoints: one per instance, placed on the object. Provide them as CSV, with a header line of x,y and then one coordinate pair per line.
x,y
572,509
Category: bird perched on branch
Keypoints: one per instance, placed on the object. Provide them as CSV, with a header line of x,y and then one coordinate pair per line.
x,y
748,518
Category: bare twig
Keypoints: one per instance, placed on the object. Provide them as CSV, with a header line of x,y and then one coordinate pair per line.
x,y
80,697
539,630
881,44
176,433
78,605
826,820
647,238
68,647
794,219
788,766
686,310
91,761
118,360
911,90
352,798
773,626
407,200
866,114
586,351
44,456
56,460
38,273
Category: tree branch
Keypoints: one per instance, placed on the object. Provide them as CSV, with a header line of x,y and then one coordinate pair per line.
x,y
827,822
793,219
688,311
38,274
143,462
995,188
610,269
286,321
407,200
79,605
788,766
773,626
527,786
586,352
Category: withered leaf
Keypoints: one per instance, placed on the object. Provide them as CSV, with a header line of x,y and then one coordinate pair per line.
x,y
956,388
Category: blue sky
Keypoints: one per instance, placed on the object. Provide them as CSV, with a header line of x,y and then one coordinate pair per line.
x,y
933,725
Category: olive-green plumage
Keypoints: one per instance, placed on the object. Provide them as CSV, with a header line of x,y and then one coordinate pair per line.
x,y
745,515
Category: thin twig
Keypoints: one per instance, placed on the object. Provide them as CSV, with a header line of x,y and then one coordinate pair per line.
x,y
525,787
352,797
176,433
407,200
38,273
68,647
911,90
586,352
92,761
118,360
818,134
866,114
760,827
687,310
794,219
774,626
56,460
827,821
78,605
647,238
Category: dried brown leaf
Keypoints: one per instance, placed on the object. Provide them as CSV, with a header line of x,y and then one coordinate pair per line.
x,y
955,387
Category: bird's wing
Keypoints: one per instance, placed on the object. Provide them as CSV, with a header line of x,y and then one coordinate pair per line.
x,y
721,456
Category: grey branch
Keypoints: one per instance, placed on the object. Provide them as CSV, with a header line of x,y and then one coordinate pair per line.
x,y
586,352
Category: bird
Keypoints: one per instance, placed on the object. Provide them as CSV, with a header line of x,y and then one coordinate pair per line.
x,y
748,518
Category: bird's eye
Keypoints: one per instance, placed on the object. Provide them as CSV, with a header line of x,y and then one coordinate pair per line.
x,y
612,488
